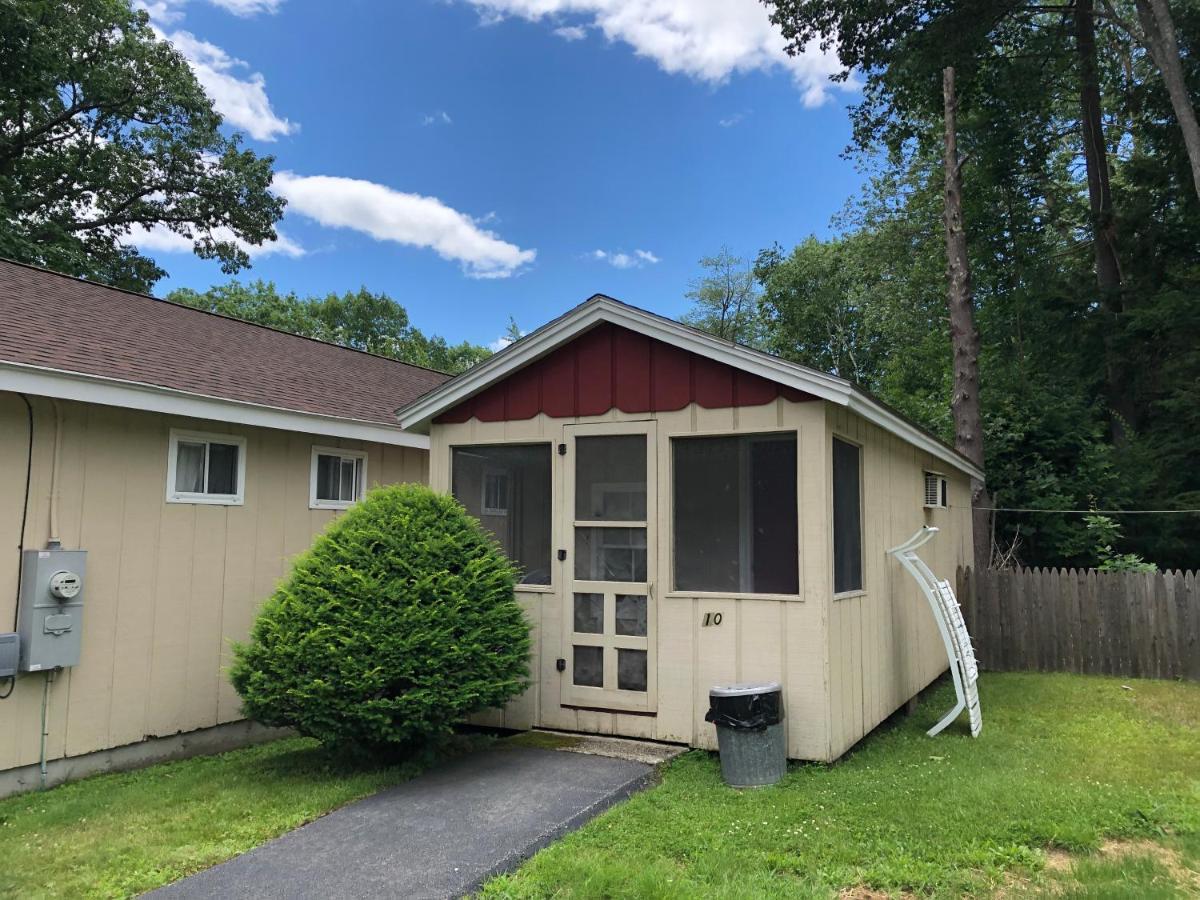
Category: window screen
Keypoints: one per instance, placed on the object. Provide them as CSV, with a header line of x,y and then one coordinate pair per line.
x,y
507,488
735,517
847,517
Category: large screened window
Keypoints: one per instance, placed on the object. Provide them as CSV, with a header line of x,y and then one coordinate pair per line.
x,y
735,518
847,517
507,488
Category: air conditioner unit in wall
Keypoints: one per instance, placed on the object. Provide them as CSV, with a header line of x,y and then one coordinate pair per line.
x,y
937,491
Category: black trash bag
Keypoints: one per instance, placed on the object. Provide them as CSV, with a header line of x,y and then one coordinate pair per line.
x,y
746,712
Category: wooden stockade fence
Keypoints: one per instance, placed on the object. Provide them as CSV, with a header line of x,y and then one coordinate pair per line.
x,y
1136,624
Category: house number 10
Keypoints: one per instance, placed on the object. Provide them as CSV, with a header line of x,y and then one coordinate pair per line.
x,y
711,619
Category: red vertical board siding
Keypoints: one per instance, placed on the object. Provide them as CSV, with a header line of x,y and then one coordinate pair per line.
x,y
631,371
671,377
752,390
712,383
524,394
593,388
558,382
489,406
611,367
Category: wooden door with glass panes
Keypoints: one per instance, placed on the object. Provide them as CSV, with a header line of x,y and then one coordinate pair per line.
x,y
609,615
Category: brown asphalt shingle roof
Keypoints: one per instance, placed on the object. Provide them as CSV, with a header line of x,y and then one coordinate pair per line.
x,y
63,323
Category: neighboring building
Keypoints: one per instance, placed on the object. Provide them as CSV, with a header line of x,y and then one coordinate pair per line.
x,y
685,511
690,512
191,455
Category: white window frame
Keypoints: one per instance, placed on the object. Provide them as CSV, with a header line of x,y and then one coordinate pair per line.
x,y
490,472
861,590
316,503
205,437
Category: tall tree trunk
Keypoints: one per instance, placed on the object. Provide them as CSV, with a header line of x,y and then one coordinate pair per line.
x,y
964,336
1104,227
1158,33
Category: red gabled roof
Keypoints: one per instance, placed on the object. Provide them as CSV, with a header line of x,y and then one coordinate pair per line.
x,y
63,323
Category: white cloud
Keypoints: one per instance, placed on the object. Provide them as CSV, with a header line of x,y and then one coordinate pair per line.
x,y
441,117
500,343
389,215
622,260
242,101
162,12
730,121
163,239
571,32
246,8
165,12
706,39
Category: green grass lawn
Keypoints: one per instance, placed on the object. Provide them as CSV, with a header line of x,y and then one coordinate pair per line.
x,y
1067,766
118,835
1065,763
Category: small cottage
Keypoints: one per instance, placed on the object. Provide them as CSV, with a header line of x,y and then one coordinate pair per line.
x,y
685,512
190,456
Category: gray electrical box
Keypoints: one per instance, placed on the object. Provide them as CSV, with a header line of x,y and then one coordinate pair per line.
x,y
10,653
51,601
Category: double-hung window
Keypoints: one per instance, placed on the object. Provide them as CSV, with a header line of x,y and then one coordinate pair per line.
x,y
206,468
338,478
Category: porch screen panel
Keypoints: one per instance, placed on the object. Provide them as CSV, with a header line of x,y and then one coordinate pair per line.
x,y
735,517
507,488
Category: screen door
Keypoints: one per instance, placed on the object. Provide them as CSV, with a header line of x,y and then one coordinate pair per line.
x,y
609,526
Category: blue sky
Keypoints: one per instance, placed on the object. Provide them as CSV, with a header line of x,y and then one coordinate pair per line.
x,y
481,158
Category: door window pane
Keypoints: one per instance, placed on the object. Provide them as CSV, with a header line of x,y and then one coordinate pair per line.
x,y
189,468
847,518
589,613
589,666
631,670
610,554
517,478
222,468
736,525
631,615
610,478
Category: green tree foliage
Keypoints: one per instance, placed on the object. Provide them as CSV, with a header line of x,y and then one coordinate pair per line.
x,y
725,298
1085,394
360,319
399,621
103,128
1106,532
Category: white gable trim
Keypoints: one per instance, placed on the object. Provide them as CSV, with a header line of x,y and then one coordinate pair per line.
x,y
418,415
44,382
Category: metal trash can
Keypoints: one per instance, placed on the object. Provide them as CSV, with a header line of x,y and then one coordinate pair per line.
x,y
750,732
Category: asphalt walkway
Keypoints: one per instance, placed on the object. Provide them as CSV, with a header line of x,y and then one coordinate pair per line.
x,y
440,835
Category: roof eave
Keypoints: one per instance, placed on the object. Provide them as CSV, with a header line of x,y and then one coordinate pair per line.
x,y
85,388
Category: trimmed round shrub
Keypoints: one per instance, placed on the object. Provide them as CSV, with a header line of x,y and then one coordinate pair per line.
x,y
399,621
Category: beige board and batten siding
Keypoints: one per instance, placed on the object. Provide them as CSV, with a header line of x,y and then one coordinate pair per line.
x,y
768,637
169,585
884,645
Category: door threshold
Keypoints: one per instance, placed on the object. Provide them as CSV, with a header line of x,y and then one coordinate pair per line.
x,y
609,709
